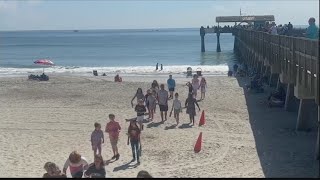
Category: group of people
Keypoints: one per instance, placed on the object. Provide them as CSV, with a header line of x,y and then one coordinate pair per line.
x,y
79,166
157,95
312,32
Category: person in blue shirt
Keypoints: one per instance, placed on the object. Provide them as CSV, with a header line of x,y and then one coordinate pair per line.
x,y
312,31
171,85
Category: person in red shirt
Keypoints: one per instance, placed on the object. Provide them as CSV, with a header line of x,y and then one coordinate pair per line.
x,y
113,128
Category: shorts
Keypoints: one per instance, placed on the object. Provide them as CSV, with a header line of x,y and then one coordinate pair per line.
x,y
140,119
176,112
114,142
163,107
171,89
96,146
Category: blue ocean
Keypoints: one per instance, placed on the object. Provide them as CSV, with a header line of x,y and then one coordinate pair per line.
x,y
130,52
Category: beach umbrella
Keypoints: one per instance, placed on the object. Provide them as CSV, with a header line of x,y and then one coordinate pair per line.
x,y
44,62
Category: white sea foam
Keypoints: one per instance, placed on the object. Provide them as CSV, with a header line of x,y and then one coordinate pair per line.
x,y
214,70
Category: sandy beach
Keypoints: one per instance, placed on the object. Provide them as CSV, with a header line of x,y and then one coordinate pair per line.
x,y
45,121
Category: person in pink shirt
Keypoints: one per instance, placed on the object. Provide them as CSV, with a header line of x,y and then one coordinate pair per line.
x,y
113,128
77,165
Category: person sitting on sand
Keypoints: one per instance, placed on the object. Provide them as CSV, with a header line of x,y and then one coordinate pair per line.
x,y
97,138
152,101
191,108
203,86
96,169
143,174
176,107
139,95
113,129
76,163
53,171
117,78
134,138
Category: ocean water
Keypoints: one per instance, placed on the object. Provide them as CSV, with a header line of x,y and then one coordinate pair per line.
x,y
128,52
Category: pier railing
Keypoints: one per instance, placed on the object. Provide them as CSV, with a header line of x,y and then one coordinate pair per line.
x,y
296,58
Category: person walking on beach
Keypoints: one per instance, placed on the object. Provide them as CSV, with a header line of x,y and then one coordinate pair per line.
x,y
53,171
140,109
146,100
134,138
161,67
203,87
113,128
155,86
191,108
76,163
139,95
97,168
195,85
152,101
171,85
312,31
157,66
97,138
163,102
176,107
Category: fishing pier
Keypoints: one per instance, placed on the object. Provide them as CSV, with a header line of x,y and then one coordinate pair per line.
x,y
290,62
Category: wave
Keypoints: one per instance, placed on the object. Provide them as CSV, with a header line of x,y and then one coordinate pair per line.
x,y
123,71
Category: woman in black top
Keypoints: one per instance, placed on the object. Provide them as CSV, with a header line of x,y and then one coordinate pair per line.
x,y
96,169
134,137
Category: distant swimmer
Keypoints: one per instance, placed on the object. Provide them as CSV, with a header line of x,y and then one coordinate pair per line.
x,y
157,66
161,67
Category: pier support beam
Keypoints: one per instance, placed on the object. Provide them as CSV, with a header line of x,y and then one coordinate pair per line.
x,y
289,104
306,119
218,41
202,34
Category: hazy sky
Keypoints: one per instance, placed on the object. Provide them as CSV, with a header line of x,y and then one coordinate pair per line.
x,y
100,14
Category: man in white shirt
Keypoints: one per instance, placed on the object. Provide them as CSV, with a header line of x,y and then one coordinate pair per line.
x,y
273,29
163,102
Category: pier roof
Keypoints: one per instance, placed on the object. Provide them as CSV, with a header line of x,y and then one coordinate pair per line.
x,y
252,18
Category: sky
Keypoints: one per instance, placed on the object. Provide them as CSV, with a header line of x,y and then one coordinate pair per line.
x,y
107,14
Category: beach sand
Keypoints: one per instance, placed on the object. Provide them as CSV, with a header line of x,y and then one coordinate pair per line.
x,y
45,121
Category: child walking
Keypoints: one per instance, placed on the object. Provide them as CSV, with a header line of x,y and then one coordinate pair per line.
x,y
152,104
97,138
203,87
77,165
113,128
134,137
140,109
176,107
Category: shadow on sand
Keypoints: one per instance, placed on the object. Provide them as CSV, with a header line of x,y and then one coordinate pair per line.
x,y
282,151
125,166
170,127
153,124
184,126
